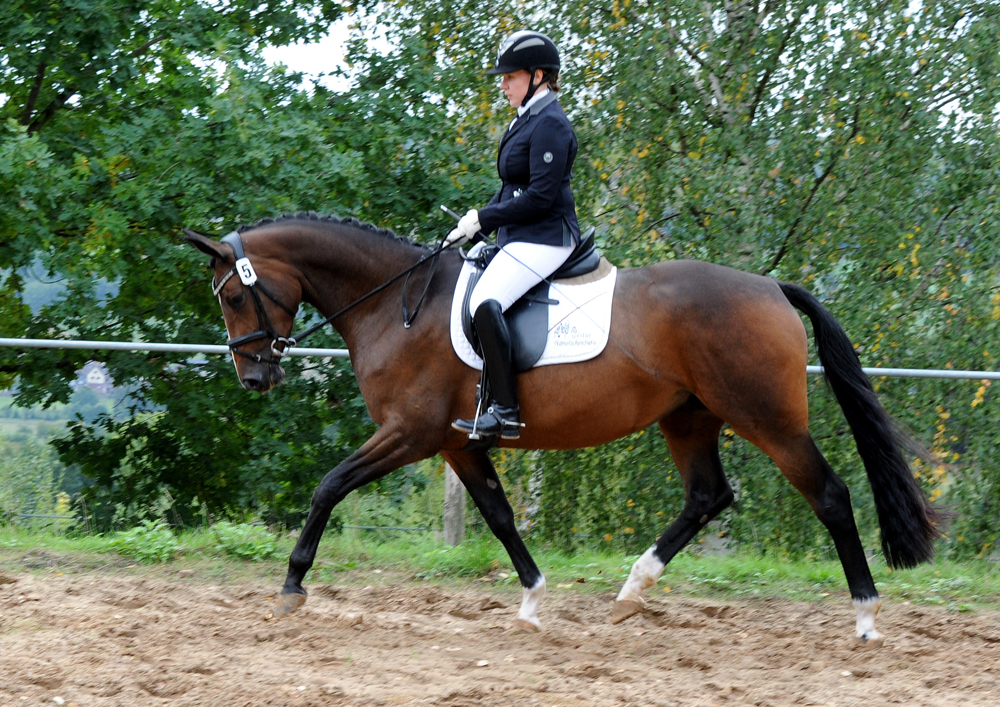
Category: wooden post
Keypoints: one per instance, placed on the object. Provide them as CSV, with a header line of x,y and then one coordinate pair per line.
x,y
454,508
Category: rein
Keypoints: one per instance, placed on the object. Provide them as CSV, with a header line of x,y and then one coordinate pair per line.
x,y
408,319
281,344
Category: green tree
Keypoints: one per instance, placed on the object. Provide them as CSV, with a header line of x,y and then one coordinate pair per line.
x,y
124,122
852,147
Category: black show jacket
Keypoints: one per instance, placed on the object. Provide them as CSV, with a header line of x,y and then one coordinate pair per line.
x,y
535,161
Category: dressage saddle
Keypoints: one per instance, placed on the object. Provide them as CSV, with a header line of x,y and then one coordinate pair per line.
x,y
528,318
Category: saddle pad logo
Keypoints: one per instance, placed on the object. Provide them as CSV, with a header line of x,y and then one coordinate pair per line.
x,y
566,336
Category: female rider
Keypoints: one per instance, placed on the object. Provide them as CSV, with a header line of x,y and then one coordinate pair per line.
x,y
533,214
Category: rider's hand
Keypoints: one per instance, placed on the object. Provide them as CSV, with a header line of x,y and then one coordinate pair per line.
x,y
467,227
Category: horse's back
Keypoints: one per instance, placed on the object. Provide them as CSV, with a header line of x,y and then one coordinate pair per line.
x,y
697,297
728,336
699,285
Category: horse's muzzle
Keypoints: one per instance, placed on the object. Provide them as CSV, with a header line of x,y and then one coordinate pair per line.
x,y
261,379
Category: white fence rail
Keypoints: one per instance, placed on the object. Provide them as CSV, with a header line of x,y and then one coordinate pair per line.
x,y
921,373
145,346
342,353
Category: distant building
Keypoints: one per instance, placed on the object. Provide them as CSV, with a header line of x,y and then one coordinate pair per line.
x,y
94,375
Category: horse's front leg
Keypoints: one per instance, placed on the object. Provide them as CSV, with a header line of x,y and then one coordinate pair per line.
x,y
387,450
480,478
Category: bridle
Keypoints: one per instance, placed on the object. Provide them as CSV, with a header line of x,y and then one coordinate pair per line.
x,y
244,270
281,344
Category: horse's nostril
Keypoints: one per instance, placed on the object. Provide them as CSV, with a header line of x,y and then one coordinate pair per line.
x,y
252,382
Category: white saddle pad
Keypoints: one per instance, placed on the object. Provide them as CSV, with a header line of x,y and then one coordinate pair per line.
x,y
579,325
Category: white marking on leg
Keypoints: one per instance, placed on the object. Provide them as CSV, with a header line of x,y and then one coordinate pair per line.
x,y
865,628
530,599
646,570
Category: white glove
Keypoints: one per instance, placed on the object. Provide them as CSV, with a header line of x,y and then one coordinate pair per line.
x,y
467,227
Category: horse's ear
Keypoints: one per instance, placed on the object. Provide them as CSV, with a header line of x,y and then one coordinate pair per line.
x,y
208,246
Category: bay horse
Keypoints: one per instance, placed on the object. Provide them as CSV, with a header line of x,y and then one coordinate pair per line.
x,y
693,346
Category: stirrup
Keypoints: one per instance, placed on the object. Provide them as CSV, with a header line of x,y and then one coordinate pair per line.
x,y
497,421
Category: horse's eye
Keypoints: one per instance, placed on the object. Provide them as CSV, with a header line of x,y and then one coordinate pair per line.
x,y
236,301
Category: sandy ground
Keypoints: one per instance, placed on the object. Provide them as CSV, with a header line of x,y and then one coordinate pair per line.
x,y
103,636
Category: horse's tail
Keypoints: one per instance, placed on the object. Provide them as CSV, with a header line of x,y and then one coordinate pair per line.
x,y
906,518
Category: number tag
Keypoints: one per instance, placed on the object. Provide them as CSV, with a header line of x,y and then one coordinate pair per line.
x,y
246,272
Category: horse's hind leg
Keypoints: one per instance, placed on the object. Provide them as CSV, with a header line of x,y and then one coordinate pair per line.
x,y
480,478
692,433
808,471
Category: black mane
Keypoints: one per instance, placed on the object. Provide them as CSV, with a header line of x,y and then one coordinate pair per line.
x,y
330,218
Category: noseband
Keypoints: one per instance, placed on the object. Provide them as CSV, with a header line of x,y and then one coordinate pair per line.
x,y
243,269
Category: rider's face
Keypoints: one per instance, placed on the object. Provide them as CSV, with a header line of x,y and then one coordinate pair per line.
x,y
515,86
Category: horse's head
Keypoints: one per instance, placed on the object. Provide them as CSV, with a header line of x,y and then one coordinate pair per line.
x,y
259,295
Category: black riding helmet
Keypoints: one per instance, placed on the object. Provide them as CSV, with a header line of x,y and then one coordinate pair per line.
x,y
528,50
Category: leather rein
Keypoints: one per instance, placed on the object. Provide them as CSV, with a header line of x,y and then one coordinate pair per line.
x,y
280,345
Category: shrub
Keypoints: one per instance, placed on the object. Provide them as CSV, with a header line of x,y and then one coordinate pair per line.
x,y
245,541
476,557
153,541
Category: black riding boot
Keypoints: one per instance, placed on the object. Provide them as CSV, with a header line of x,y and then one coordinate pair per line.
x,y
502,418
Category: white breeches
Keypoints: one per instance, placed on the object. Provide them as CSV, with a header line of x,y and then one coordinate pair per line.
x,y
516,269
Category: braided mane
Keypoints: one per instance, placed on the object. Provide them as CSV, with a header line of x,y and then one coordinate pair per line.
x,y
330,218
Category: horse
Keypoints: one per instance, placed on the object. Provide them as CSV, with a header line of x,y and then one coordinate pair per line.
x,y
693,346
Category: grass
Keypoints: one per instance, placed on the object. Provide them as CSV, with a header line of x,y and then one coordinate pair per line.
x,y
958,586
359,557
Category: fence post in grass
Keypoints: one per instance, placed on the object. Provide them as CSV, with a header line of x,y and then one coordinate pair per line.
x,y
454,508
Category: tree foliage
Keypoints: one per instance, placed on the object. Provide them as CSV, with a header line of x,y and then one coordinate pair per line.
x,y
851,147
125,122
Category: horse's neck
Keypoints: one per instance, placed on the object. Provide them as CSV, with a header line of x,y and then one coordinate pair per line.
x,y
343,266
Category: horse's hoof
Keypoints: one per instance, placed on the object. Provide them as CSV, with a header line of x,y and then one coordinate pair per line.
x,y
285,604
870,640
526,626
621,610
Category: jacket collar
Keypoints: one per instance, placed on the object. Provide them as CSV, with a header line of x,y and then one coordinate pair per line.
x,y
542,102
534,99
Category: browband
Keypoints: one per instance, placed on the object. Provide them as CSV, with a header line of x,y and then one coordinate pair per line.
x,y
236,242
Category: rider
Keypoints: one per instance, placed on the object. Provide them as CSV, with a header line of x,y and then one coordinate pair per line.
x,y
533,213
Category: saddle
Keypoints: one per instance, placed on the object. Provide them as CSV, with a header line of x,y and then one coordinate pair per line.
x,y
528,318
